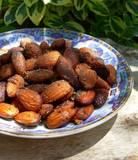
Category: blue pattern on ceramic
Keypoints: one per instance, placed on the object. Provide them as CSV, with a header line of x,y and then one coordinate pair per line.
x,y
118,94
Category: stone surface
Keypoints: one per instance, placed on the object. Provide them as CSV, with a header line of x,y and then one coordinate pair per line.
x,y
117,139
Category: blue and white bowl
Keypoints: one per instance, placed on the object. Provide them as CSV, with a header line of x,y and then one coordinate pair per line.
x,y
119,93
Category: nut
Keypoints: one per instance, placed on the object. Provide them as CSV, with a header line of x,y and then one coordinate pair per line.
x,y
86,76
14,83
100,68
15,49
61,115
100,98
85,97
18,105
83,113
72,57
39,75
100,83
6,71
65,71
32,50
45,110
2,91
28,118
67,97
111,79
58,44
37,87
48,60
56,91
18,62
30,99
30,64
44,46
5,58
8,110
87,55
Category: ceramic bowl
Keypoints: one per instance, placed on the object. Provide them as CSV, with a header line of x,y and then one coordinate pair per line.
x,y
118,95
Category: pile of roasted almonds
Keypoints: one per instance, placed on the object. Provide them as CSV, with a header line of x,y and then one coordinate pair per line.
x,y
54,84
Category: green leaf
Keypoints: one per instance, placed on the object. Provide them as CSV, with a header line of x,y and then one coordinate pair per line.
x,y
9,16
135,20
1,4
36,12
132,7
61,2
98,7
60,10
13,3
81,15
6,28
72,25
21,14
79,4
127,18
117,25
29,3
53,21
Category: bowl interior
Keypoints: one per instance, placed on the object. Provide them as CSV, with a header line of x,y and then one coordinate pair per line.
x,y
117,96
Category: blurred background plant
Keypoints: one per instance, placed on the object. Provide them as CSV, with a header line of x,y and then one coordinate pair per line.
x,y
115,19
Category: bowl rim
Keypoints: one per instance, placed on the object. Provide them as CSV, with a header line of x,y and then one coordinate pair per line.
x,y
89,125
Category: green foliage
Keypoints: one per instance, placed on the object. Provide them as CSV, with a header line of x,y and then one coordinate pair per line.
x,y
116,19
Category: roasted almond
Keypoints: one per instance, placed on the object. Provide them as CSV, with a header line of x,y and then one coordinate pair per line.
x,y
37,87
48,60
6,71
14,83
100,83
67,97
56,91
18,105
65,71
5,58
58,44
86,75
39,75
85,97
111,79
2,91
45,110
15,49
100,98
61,115
87,55
44,46
71,56
8,110
32,50
28,118
30,64
30,99
83,113
18,62
100,68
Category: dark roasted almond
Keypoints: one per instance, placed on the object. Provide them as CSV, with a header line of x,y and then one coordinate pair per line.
x,y
65,71
86,75
6,71
18,62
39,75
